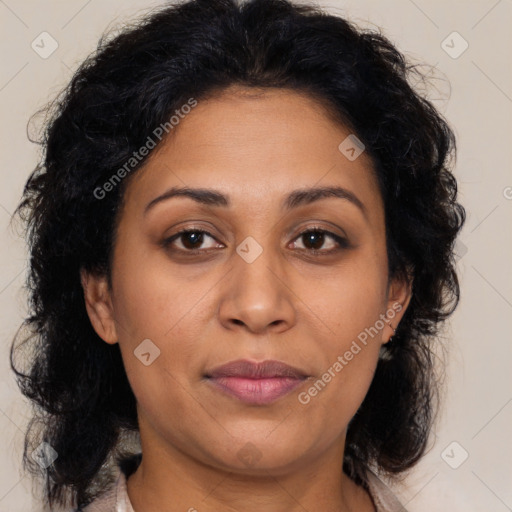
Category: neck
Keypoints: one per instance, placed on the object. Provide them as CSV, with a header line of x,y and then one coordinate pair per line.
x,y
168,479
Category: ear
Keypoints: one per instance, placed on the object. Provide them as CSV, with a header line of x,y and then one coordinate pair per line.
x,y
399,297
98,303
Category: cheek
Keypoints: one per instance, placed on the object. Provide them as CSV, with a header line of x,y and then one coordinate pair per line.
x,y
351,298
160,318
152,301
351,303
337,391
161,345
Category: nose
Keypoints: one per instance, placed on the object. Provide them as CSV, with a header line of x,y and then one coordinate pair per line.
x,y
257,295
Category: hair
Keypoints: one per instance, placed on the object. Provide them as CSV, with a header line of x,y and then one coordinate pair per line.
x,y
133,83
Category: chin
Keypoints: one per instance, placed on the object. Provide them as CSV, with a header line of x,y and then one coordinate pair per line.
x,y
261,457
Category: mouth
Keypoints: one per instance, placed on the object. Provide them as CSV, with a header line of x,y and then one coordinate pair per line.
x,y
256,383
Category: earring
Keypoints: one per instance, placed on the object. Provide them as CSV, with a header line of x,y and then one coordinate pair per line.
x,y
394,332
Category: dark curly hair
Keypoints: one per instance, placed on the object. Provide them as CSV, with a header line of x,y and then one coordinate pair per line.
x,y
133,83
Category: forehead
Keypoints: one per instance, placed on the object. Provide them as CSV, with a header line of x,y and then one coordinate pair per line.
x,y
255,145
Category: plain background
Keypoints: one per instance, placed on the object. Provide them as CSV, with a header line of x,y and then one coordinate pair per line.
x,y
473,91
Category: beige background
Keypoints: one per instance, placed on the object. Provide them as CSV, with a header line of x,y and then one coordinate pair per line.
x,y
474,92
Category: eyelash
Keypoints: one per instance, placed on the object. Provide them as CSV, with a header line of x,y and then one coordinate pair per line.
x,y
342,242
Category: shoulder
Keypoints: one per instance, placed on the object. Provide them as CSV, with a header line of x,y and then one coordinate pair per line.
x,y
115,498
108,501
383,498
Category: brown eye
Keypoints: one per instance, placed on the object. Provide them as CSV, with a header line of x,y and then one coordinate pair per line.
x,y
314,239
191,240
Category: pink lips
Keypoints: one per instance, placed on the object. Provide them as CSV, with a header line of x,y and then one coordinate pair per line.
x,y
256,383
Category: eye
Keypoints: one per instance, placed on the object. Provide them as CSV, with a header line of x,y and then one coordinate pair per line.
x,y
313,240
191,240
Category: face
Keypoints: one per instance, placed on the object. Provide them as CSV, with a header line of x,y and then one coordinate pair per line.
x,y
259,277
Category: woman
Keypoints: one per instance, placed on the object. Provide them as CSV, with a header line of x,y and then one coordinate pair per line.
x,y
241,240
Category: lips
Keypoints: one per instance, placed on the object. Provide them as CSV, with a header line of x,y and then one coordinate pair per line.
x,y
249,370
256,383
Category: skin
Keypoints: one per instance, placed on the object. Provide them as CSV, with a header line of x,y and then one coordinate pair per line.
x,y
288,304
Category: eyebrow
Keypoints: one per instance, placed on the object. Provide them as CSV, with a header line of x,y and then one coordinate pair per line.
x,y
294,199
